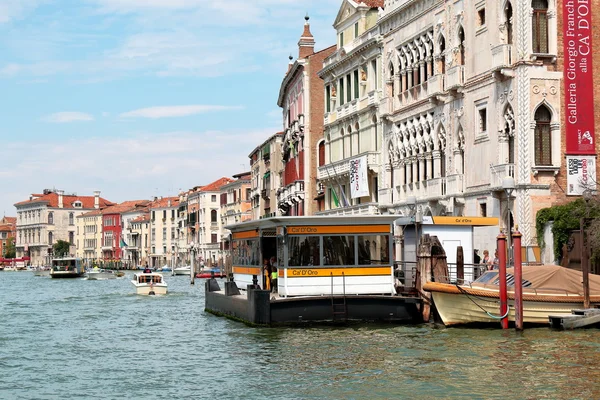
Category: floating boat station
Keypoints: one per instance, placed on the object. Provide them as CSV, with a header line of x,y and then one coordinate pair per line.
x,y
341,269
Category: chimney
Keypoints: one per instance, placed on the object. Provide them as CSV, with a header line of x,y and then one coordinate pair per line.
x,y
306,45
169,203
97,199
290,64
60,198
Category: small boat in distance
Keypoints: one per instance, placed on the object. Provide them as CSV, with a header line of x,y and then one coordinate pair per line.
x,y
67,267
41,271
182,270
547,290
98,274
151,283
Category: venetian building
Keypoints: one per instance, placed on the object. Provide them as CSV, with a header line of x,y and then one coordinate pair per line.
x,y
352,128
472,95
301,98
266,168
48,217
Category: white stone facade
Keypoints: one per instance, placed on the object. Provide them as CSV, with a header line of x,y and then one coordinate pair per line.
x,y
352,127
467,103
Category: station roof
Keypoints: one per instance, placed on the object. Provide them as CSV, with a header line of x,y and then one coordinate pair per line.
x,y
313,220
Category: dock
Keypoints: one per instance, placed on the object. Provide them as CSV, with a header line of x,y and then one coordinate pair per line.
x,y
577,319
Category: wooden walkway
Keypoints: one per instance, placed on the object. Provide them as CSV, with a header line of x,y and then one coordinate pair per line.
x,y
577,319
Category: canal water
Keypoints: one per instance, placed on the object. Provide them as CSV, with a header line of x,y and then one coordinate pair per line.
x,y
79,339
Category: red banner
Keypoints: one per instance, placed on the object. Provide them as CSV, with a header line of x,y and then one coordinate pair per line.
x,y
579,85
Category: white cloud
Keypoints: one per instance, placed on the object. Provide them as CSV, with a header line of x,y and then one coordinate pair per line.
x,y
10,9
68,116
176,111
146,164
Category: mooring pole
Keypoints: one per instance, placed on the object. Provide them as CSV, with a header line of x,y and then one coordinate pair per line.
x,y
518,280
460,266
501,246
585,266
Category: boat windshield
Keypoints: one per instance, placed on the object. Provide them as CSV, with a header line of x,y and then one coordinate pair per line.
x,y
487,277
149,279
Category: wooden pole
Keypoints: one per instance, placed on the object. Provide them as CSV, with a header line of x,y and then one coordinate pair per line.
x,y
460,265
501,246
518,280
585,265
192,268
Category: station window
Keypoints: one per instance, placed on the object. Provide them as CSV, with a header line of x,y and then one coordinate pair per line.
x,y
338,250
373,250
304,251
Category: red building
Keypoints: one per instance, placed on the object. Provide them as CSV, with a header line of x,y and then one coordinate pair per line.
x,y
8,229
301,96
112,228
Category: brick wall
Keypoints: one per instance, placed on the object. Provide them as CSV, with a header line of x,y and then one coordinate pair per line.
x,y
316,112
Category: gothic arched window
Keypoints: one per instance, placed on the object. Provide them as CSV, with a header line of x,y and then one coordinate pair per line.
x,y
542,136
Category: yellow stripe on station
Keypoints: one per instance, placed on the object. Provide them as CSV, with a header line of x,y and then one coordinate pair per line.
x,y
247,270
476,221
319,272
245,235
348,229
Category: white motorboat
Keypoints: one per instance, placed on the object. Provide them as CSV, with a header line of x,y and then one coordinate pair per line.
x,y
182,270
41,271
151,283
98,274
547,290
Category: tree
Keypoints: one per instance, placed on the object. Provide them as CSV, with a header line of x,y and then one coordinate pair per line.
x,y
61,248
10,251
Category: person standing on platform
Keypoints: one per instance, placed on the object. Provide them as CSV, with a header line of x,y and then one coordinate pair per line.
x,y
266,275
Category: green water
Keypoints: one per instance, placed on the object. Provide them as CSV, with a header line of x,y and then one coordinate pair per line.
x,y
79,339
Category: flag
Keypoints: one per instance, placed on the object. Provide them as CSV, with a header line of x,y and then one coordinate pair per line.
x,y
122,243
334,196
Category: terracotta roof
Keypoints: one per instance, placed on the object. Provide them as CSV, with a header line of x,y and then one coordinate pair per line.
x,y
7,228
141,218
9,220
216,185
90,214
164,202
125,206
52,200
373,3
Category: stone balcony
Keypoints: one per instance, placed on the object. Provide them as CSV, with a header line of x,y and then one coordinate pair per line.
x,y
499,172
502,56
342,167
291,194
436,188
360,209
455,77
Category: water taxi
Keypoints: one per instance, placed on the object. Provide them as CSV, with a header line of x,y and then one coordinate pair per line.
x,y
329,268
41,271
151,283
182,270
98,274
66,267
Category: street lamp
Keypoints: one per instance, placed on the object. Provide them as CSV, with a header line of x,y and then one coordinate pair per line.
x,y
508,184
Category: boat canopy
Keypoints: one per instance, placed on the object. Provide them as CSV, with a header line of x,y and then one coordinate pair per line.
x,y
550,277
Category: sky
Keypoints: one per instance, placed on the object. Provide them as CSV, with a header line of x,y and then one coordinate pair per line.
x,y
141,98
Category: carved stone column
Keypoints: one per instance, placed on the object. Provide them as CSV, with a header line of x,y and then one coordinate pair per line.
x,y
437,164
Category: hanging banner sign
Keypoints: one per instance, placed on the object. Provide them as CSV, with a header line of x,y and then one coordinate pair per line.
x,y
581,174
359,182
579,85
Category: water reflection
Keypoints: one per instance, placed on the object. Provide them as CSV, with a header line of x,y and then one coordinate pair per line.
x,y
104,330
